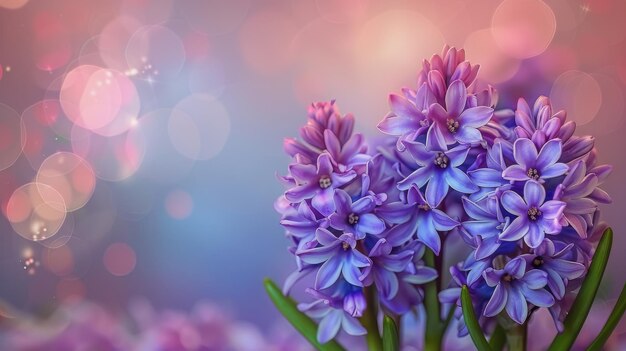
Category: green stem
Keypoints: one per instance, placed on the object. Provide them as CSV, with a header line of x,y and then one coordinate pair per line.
x,y
516,338
498,338
370,320
434,326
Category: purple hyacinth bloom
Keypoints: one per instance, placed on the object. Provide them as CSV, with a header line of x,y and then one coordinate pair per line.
x,y
356,217
317,183
514,287
303,223
535,218
535,165
419,215
407,118
333,317
440,170
346,156
323,116
386,265
339,256
489,178
485,225
575,191
559,270
455,123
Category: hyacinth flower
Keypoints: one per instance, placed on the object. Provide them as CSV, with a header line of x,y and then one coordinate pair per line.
x,y
339,258
514,188
535,217
455,123
356,217
439,171
318,183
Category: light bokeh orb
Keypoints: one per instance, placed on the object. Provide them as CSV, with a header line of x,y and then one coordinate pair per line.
x,y
36,211
12,136
113,40
13,4
112,158
215,17
178,204
265,40
342,11
71,176
207,77
59,261
523,28
119,259
155,51
199,127
579,94
495,66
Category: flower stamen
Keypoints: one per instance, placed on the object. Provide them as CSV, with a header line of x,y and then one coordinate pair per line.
x,y
442,160
353,218
325,182
538,262
452,125
507,277
345,246
533,173
534,213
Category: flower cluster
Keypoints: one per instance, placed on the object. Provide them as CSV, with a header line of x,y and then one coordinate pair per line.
x,y
514,185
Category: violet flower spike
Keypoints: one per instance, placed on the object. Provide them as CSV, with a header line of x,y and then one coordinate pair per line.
x,y
514,287
339,257
440,170
535,216
455,123
356,217
559,270
485,225
317,183
385,266
535,165
333,317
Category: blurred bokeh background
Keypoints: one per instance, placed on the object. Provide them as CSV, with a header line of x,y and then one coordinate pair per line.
x,y
139,139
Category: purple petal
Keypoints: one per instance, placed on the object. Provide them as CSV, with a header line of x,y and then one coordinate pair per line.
x,y
317,255
535,279
324,165
436,189
516,267
333,146
574,206
329,326
486,177
341,179
525,153
302,173
459,181
535,236
514,203
549,154
442,221
394,125
476,117
434,138
329,272
457,155
450,295
419,178
553,208
516,305
568,269
364,204
455,98
400,233
534,193
515,172
395,212
352,326
402,107
554,170
497,301
539,298
343,202
428,234
419,153
516,230
474,210
325,237
324,201
387,284
370,224
492,276
302,192
555,283
351,274
422,276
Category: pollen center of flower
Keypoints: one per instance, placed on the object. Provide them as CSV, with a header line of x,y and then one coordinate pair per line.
x,y
424,207
534,213
453,125
345,246
507,277
325,182
353,218
533,173
442,160
538,262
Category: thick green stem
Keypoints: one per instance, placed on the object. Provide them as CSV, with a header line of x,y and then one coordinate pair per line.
x,y
434,326
370,320
516,338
